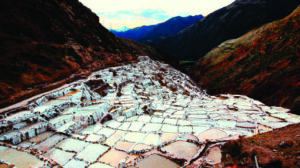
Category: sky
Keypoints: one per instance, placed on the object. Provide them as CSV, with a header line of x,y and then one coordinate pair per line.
x,y
115,14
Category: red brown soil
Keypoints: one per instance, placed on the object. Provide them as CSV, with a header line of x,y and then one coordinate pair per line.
x,y
275,149
263,64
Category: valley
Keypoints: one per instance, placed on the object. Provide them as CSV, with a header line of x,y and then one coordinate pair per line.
x,y
129,115
213,91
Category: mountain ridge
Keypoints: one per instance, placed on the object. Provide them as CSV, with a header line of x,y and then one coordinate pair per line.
x,y
153,34
226,23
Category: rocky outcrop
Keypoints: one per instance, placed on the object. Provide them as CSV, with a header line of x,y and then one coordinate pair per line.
x,y
47,44
226,23
263,64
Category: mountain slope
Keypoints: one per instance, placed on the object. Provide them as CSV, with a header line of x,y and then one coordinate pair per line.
x,y
155,33
168,28
43,42
135,33
227,23
275,149
263,64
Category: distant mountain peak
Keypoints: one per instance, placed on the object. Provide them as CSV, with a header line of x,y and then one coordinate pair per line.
x,y
122,29
153,34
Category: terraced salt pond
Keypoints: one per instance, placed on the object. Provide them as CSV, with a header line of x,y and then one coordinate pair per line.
x,y
24,160
156,161
144,114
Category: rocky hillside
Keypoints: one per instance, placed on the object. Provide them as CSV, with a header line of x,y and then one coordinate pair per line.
x,y
154,34
227,23
263,64
43,42
275,149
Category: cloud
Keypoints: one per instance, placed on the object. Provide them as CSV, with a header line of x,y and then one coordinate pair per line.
x,y
152,11
117,15
130,21
146,13
133,18
155,14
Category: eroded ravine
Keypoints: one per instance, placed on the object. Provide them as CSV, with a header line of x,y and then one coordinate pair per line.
x,y
144,114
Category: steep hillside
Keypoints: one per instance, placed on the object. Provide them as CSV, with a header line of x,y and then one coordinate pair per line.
x,y
156,33
263,64
43,42
275,149
227,23
168,28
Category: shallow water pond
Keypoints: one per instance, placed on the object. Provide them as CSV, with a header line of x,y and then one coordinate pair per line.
x,y
113,157
156,161
182,149
19,159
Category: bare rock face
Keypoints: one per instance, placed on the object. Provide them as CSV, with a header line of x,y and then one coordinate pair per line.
x,y
76,125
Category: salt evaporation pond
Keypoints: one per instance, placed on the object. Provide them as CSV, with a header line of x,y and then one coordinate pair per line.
x,y
144,114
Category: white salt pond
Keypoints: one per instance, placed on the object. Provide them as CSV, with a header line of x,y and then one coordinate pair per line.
x,y
151,116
